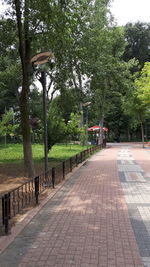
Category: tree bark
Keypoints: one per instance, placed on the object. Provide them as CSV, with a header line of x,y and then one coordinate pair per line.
x,y
102,112
142,133
27,149
128,134
81,92
101,123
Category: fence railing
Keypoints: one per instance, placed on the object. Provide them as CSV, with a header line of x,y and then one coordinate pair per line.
x,y
13,202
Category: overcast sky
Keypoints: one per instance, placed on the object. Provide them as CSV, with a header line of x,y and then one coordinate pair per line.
x,y
125,10
131,11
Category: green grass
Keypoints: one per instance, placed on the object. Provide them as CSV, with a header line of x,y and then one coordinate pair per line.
x,y
13,153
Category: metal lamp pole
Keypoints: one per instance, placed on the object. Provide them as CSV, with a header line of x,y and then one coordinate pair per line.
x,y
87,104
43,82
40,59
87,113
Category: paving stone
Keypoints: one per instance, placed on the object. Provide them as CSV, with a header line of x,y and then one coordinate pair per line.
x,y
129,168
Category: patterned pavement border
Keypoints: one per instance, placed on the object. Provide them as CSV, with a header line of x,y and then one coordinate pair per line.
x,y
136,186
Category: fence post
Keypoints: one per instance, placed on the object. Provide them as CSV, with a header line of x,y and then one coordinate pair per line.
x,y
53,177
3,209
37,183
71,164
9,206
81,156
63,169
76,160
6,212
84,155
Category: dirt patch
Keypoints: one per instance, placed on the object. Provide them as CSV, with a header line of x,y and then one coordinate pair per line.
x,y
12,175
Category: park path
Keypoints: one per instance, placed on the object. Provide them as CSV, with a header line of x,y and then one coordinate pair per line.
x,y
100,217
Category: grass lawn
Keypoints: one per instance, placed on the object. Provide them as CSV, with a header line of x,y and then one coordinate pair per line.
x,y
13,153
11,161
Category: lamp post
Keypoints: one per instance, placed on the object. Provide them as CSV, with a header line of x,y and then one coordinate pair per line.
x,y
87,104
40,59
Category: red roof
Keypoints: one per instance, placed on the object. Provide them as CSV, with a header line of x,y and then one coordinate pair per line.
x,y
96,128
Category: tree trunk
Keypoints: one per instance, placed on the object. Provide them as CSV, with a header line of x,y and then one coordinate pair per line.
x,y
27,149
128,134
146,131
142,133
24,51
80,92
100,139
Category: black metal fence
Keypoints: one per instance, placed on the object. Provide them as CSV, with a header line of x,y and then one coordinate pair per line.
x,y
13,202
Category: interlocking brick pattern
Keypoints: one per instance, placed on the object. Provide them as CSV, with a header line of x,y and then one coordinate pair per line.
x,y
86,224
129,168
136,185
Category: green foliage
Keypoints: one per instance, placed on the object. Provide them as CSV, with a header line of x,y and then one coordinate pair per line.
x,y
83,135
110,75
6,124
137,43
137,102
10,76
36,115
73,129
56,127
142,84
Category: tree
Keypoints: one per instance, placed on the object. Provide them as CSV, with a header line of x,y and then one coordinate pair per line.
x,y
110,75
137,37
7,125
134,107
56,127
73,126
142,83
10,77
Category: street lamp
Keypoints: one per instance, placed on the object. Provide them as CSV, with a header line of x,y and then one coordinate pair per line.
x,y
40,59
87,104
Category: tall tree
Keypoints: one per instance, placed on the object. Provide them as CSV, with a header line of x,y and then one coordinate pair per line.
x,y
109,73
22,10
137,37
134,108
142,84
10,78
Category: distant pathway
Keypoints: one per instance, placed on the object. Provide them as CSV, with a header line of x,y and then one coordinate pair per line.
x,y
87,224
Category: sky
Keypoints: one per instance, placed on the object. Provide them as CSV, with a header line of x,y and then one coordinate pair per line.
x,y
125,10
131,11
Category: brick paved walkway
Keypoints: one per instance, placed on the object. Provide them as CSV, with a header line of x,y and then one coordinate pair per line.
x,y
92,220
